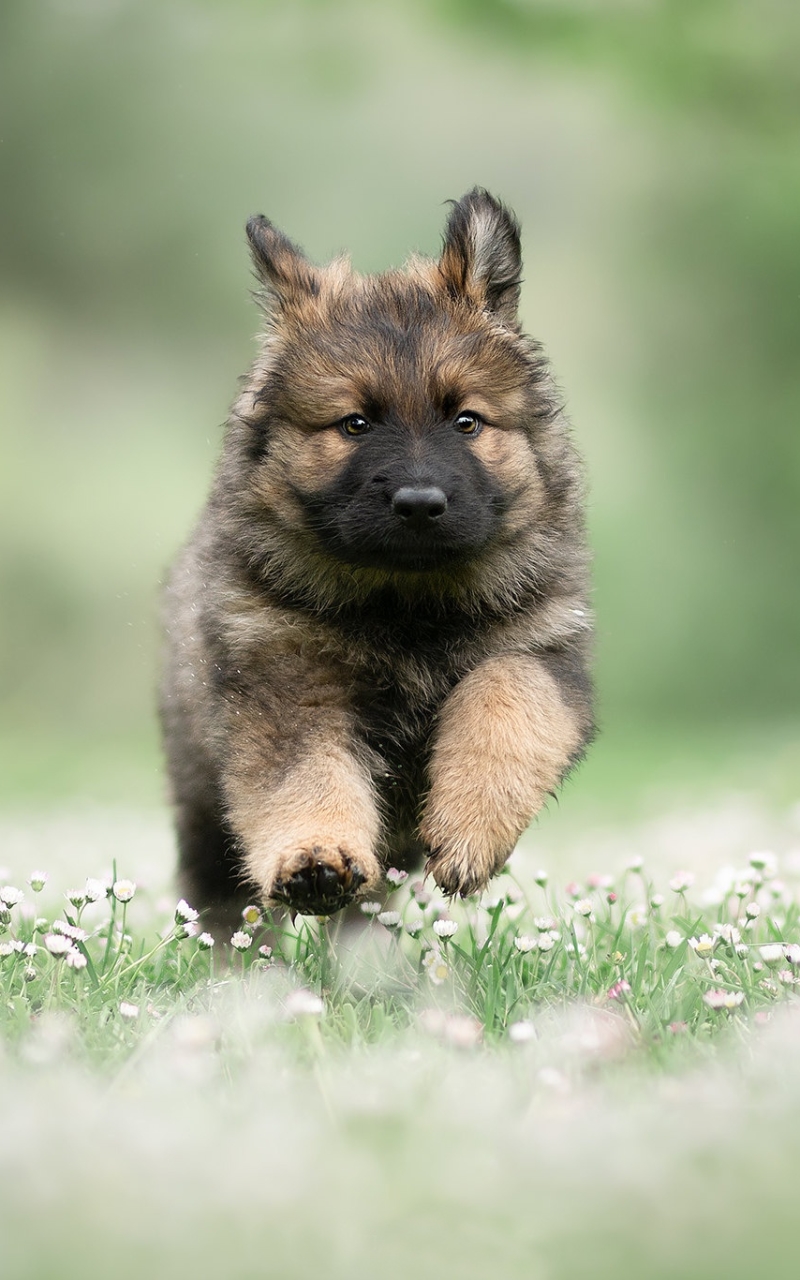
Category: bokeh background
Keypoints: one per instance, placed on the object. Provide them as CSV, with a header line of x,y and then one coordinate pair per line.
x,y
652,152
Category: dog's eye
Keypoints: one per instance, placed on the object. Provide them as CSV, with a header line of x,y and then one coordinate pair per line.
x,y
354,425
469,424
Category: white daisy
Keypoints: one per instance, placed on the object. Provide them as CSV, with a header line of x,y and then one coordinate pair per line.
x,y
445,928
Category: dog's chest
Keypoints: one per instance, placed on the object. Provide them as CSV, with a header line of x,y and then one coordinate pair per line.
x,y
398,692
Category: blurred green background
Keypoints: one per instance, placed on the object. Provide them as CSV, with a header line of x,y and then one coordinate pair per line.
x,y
652,152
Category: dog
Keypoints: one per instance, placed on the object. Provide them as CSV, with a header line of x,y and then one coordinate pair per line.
x,y
379,635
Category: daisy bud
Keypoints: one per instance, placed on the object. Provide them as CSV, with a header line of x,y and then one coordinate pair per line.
x,y
205,941
396,877
415,927
541,878
184,912
752,910
129,1011
771,953
673,939
619,989
77,897
37,880
390,919
123,890
445,928
420,893
369,908
57,944
241,941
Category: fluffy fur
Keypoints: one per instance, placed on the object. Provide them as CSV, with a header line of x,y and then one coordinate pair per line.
x,y
378,633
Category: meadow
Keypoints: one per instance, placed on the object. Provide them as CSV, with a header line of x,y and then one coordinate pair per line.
x,y
589,1072
562,1076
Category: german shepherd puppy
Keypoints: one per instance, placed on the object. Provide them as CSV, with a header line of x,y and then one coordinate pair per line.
x,y
378,633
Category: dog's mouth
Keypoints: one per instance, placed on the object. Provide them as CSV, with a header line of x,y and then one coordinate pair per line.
x,y
406,556
393,546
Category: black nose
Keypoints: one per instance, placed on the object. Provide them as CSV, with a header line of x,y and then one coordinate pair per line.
x,y
418,506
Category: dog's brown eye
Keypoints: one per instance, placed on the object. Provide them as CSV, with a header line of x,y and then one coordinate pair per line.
x,y
469,424
354,425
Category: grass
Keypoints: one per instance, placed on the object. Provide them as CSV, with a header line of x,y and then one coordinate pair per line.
x,y
554,1080
651,964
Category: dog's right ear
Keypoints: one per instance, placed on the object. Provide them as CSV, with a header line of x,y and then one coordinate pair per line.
x,y
281,266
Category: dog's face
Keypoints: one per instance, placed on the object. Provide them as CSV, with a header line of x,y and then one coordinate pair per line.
x,y
396,414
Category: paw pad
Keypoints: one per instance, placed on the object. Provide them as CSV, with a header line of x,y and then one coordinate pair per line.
x,y
319,889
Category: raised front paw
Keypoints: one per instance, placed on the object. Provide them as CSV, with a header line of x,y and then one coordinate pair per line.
x,y
460,871
318,879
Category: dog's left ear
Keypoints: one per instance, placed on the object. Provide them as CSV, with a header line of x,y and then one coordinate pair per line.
x,y
481,257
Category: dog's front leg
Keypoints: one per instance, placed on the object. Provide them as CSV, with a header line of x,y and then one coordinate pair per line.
x,y
303,806
505,738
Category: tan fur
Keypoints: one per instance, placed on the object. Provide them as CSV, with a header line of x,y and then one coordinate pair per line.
x,y
502,741
325,810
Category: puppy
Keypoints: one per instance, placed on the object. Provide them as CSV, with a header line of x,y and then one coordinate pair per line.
x,y
378,634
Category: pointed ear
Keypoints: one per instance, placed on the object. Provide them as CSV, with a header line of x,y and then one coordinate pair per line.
x,y
283,268
481,257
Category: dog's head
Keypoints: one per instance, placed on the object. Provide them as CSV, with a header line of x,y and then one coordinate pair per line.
x,y
394,422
